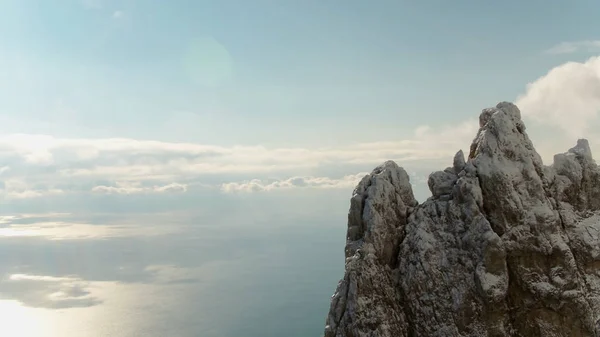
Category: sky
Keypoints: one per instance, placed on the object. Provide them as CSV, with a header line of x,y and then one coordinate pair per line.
x,y
126,124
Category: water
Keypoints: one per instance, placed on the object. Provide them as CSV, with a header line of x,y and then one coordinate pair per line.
x,y
262,266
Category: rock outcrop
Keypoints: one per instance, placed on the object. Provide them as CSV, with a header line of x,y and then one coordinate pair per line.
x,y
504,247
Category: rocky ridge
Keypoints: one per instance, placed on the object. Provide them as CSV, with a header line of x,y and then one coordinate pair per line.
x,y
504,247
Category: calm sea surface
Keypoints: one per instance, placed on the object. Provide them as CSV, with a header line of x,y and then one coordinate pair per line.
x,y
212,272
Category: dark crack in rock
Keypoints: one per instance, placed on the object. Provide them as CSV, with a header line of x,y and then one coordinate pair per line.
x,y
504,247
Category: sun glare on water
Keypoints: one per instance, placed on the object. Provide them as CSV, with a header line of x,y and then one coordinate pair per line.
x,y
20,321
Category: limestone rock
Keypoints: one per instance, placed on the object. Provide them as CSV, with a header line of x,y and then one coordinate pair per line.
x,y
458,163
441,182
504,247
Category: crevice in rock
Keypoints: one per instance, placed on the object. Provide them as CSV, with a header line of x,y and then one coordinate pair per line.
x,y
363,204
581,272
512,313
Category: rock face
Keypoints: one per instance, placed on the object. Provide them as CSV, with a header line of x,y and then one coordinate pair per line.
x,y
504,247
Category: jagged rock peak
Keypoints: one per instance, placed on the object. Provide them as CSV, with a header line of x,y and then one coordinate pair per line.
x,y
582,148
505,246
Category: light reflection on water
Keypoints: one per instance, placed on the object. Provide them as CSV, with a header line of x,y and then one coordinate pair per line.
x,y
121,314
64,276
18,320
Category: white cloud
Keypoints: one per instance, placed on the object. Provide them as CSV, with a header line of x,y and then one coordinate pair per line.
x,y
25,277
257,185
26,194
19,189
136,188
567,97
60,227
43,165
129,157
117,14
49,291
8,219
574,46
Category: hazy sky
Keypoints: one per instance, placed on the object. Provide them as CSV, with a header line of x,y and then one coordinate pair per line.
x,y
301,73
160,122
211,92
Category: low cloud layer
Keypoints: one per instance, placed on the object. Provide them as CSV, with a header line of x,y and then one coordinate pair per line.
x,y
257,185
64,227
49,291
37,166
136,188
566,99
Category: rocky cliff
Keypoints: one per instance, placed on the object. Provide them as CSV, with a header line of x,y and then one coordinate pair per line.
x,y
504,247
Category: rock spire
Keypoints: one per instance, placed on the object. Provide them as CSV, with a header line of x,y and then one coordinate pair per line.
x,y
505,246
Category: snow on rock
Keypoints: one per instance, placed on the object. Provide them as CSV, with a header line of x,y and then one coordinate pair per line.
x,y
504,247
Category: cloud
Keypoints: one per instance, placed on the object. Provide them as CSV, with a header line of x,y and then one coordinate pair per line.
x,y
61,227
567,97
19,189
135,188
117,14
49,291
574,46
131,159
257,185
42,165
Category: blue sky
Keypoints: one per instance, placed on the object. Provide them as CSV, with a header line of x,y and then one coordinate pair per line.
x,y
271,72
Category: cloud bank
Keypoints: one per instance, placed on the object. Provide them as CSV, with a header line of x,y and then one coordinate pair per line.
x,y
41,165
62,227
257,185
136,188
49,291
566,99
